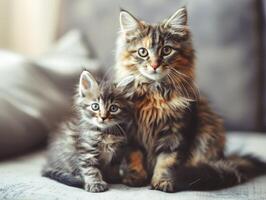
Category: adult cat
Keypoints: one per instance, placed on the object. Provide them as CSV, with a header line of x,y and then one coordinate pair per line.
x,y
182,138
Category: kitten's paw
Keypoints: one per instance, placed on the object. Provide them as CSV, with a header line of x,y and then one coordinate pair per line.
x,y
135,179
163,185
96,187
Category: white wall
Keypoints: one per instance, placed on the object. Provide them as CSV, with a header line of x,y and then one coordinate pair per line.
x,y
28,26
4,21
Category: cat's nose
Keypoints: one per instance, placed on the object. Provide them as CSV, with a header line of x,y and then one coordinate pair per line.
x,y
155,65
103,118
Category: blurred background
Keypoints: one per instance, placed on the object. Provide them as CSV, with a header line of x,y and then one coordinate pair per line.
x,y
28,26
46,43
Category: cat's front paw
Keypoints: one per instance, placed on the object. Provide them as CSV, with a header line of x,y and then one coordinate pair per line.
x,y
163,185
135,179
96,187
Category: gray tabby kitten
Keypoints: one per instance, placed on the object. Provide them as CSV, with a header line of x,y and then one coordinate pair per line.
x,y
86,152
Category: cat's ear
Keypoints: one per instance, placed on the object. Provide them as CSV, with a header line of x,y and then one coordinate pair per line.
x,y
128,22
178,21
87,84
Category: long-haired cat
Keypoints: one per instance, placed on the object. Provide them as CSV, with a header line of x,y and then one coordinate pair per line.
x,y
182,137
87,150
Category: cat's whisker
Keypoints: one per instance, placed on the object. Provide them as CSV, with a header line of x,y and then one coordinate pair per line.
x,y
180,73
184,88
189,83
174,85
193,87
106,75
194,182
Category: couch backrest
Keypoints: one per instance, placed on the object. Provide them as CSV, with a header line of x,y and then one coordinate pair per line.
x,y
225,36
263,65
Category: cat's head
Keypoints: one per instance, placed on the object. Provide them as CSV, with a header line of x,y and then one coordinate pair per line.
x,y
101,105
155,52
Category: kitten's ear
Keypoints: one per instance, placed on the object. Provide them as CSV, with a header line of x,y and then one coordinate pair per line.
x,y
178,21
128,22
87,84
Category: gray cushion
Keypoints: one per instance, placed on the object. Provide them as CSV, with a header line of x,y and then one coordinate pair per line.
x,y
225,40
31,99
21,180
65,61
27,104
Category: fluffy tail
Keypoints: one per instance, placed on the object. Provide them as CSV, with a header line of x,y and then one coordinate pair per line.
x,y
63,177
219,174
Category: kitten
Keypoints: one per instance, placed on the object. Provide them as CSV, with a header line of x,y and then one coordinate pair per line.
x,y
182,138
87,150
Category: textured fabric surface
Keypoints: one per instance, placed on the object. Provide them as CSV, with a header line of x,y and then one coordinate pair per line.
x,y
225,41
35,94
21,180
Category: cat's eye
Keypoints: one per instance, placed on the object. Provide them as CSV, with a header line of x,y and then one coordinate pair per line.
x,y
113,108
143,52
95,106
166,50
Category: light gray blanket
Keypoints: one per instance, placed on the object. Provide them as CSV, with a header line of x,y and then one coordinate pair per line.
x,y
20,180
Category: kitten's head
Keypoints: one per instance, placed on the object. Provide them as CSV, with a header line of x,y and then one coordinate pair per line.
x,y
155,52
103,105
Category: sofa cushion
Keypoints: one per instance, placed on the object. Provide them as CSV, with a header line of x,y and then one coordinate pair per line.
x,y
27,104
36,94
63,63
20,179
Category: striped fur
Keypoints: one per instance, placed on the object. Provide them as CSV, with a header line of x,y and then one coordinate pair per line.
x,y
87,149
182,138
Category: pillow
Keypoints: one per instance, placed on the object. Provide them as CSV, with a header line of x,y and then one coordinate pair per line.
x,y
64,63
36,94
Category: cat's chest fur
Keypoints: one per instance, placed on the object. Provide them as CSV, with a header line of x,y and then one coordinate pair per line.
x,y
155,107
109,146
157,112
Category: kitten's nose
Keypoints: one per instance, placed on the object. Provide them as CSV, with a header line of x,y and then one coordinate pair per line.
x,y
103,117
155,65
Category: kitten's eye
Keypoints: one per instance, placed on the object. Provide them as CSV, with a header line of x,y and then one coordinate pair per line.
x,y
113,108
166,50
95,106
143,52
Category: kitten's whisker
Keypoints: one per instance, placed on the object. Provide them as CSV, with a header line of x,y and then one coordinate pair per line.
x,y
121,129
